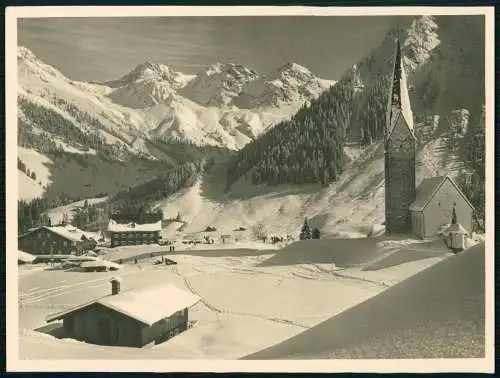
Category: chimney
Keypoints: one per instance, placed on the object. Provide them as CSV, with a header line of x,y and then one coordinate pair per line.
x,y
115,285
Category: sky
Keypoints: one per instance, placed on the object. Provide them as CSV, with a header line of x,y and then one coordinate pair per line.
x,y
100,49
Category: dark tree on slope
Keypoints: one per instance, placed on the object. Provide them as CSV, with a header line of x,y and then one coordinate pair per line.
x,y
305,232
315,233
473,186
135,204
306,149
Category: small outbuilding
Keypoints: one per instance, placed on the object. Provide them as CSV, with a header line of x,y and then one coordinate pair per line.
x,y
24,258
133,318
436,197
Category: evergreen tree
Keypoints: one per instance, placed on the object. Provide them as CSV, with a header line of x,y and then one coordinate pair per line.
x,y
316,233
305,232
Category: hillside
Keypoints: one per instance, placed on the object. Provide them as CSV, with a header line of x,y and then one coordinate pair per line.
x,y
444,61
349,207
437,313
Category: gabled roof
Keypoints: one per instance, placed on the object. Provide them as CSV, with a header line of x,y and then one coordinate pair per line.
x,y
398,99
398,118
428,189
134,227
67,232
146,305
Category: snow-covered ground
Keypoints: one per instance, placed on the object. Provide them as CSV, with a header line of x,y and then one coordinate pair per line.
x,y
251,299
38,163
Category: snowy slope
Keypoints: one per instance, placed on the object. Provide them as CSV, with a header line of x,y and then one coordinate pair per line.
x,y
349,207
438,313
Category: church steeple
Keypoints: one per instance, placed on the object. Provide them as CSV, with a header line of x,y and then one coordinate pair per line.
x,y
400,151
399,99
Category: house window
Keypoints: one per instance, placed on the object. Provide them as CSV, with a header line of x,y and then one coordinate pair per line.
x,y
39,236
65,243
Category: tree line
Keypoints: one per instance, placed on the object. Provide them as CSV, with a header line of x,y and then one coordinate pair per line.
x,y
22,167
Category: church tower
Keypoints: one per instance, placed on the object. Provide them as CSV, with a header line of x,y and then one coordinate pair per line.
x,y
400,146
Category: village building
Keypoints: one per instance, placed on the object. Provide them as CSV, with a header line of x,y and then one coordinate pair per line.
x,y
422,211
57,240
134,233
436,199
132,318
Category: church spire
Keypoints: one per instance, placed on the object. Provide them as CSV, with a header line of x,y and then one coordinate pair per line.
x,y
399,99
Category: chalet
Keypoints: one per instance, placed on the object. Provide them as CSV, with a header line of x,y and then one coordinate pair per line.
x,y
133,233
133,318
436,198
58,240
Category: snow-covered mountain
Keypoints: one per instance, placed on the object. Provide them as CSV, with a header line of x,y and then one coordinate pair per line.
x,y
146,85
290,83
153,101
218,84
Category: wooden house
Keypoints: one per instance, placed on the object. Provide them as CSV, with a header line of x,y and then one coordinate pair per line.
x,y
433,206
133,318
60,240
134,233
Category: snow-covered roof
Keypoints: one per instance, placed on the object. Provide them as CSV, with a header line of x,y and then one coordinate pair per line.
x,y
147,305
456,228
134,227
25,257
428,189
69,232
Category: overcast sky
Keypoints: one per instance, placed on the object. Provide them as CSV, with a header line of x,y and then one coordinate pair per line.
x,y
106,48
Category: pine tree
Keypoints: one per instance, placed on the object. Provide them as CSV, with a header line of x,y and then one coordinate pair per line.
x,y
316,233
305,232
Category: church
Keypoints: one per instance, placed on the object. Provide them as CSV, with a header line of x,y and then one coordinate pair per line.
x,y
437,201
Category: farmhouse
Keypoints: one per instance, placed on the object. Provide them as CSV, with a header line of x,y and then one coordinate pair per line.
x,y
60,240
133,318
433,207
133,233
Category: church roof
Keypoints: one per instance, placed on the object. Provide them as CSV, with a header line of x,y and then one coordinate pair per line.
x,y
399,99
428,189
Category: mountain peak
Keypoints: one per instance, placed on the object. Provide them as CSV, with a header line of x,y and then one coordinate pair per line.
x,y
292,66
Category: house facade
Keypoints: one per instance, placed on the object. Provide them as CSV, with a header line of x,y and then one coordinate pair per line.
x,y
133,233
130,319
433,207
58,240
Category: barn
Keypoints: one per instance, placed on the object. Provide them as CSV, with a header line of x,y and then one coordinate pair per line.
x,y
58,240
132,318
433,206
